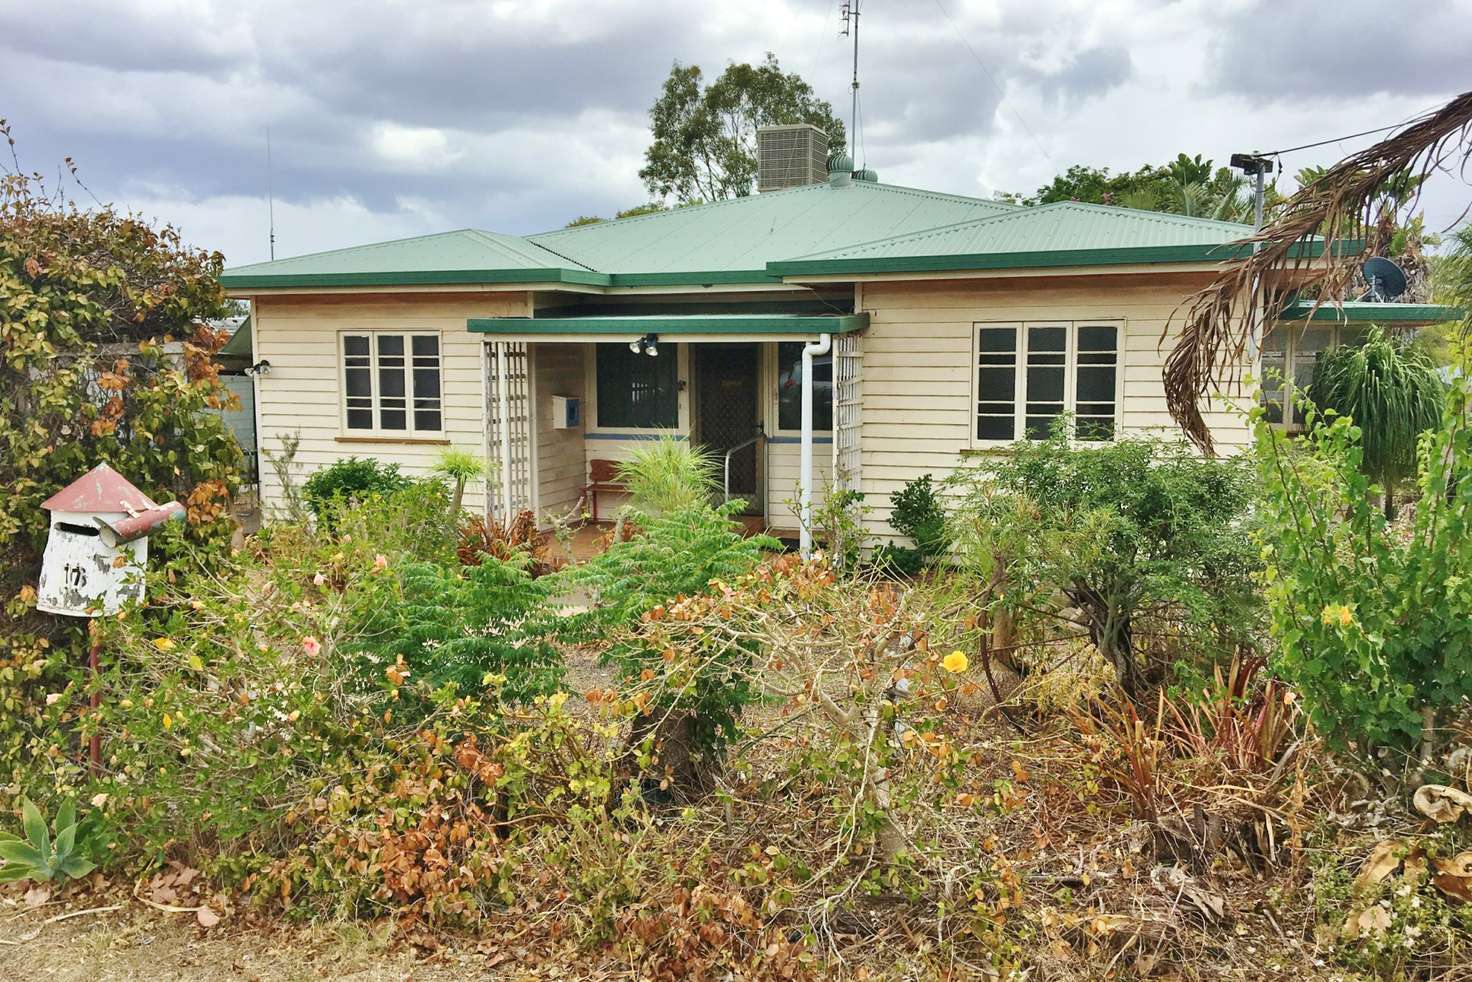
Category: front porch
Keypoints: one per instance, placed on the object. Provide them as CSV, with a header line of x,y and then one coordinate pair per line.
x,y
567,398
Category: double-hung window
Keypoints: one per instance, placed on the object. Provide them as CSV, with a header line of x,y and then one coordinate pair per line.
x,y
1029,374
392,382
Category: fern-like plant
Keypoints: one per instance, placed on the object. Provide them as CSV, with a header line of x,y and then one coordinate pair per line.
x,y
465,625
681,547
1392,392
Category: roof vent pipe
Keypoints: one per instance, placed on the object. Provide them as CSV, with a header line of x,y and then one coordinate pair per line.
x,y
822,346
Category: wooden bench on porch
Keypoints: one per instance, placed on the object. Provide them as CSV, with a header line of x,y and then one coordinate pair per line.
x,y
602,476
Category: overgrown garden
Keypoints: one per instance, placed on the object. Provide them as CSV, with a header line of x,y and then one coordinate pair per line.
x,y
1102,709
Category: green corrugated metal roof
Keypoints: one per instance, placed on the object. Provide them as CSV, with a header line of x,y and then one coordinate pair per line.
x,y
744,234
1057,234
673,325
464,256
819,228
1361,311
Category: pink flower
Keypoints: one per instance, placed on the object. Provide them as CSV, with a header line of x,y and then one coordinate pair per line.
x,y
311,646
380,563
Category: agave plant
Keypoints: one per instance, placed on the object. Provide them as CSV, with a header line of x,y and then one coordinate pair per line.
x,y
1393,393
40,857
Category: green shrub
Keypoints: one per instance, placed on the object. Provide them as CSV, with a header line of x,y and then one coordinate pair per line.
x,y
352,478
1123,532
463,626
682,546
917,513
1371,622
89,295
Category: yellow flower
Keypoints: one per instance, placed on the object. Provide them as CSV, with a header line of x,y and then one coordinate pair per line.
x,y
955,662
164,644
1346,616
1337,614
168,722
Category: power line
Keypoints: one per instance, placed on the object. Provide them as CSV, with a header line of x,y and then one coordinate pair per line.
x,y
1351,136
1322,143
1001,95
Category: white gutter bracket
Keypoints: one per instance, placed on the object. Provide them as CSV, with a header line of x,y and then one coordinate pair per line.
x,y
822,346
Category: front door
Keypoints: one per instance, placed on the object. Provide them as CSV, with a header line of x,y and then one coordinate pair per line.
x,y
727,413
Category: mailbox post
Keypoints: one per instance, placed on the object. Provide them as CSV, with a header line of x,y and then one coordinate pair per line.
x,y
95,551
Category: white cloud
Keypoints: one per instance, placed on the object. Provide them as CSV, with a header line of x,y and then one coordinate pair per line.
x,y
415,148
413,116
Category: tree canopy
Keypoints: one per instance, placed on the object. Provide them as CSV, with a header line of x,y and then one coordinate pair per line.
x,y
106,354
703,137
1185,186
653,207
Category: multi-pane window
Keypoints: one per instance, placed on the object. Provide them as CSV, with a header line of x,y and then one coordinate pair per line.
x,y
1289,353
1027,375
392,382
638,391
789,388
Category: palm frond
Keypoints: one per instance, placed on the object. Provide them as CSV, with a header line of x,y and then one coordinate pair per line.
x,y
1342,206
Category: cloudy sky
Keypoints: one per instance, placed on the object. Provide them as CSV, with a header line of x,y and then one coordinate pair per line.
x,y
399,118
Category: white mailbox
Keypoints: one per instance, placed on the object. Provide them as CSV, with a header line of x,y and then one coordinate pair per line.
x,y
567,413
98,544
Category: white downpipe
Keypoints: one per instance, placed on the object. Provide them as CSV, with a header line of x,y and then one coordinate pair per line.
x,y
822,346
503,397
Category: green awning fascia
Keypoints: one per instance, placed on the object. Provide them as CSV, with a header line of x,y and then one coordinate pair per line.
x,y
425,277
1359,311
672,326
1219,252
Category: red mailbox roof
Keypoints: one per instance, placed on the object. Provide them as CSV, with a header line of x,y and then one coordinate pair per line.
x,y
98,492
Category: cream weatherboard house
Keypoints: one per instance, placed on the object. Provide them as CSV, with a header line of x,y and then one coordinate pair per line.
x,y
936,327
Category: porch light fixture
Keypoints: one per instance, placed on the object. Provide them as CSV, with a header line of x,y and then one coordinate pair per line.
x,y
649,344
259,368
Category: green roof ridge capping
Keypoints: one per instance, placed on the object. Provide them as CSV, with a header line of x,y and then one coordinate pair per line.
x,y
674,324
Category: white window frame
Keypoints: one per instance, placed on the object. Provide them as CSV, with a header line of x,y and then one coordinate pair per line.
x,y
410,431
1292,333
1070,375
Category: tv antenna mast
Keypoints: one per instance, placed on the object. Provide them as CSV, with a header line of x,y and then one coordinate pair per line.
x,y
270,199
850,12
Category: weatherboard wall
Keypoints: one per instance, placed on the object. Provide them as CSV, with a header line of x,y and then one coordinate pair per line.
x,y
919,357
557,370
302,394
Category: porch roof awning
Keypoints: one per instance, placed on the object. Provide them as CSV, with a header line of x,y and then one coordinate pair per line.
x,y
1365,311
672,326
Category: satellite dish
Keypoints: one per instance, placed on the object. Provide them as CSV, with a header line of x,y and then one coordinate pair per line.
x,y
1386,279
